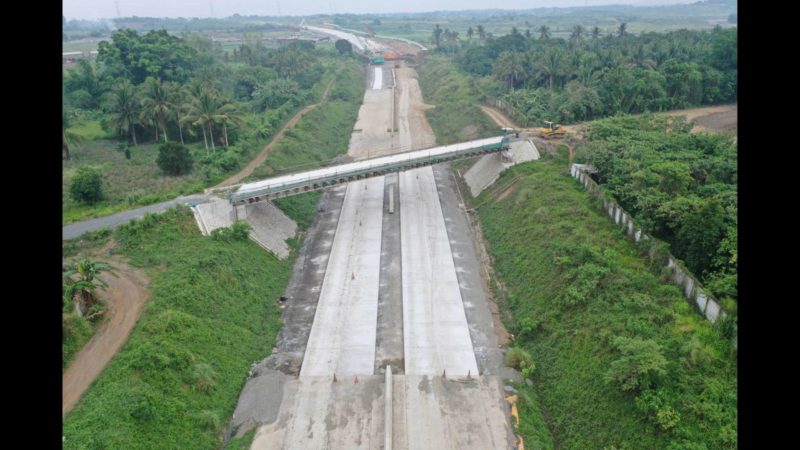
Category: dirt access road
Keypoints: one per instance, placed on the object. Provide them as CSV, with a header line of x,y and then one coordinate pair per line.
x,y
125,295
259,159
716,119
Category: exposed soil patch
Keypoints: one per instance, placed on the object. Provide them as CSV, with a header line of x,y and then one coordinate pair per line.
x,y
125,296
714,119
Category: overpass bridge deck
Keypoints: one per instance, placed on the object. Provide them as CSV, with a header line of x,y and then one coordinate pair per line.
x,y
298,183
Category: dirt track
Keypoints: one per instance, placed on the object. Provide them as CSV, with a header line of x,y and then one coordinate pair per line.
x,y
708,119
259,159
125,295
712,118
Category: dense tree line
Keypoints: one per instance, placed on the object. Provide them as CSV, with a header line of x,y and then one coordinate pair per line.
x,y
680,186
591,75
168,88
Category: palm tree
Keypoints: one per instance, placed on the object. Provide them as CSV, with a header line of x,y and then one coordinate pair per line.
x,y
595,32
481,32
553,64
437,35
88,273
544,32
156,104
179,110
204,112
470,33
124,109
577,33
622,28
230,112
510,67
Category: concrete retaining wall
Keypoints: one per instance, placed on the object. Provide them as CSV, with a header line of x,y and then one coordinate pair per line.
x,y
691,288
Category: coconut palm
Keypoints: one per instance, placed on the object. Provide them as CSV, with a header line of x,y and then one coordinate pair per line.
x,y
622,29
204,112
124,108
544,32
230,112
481,32
577,34
156,104
595,32
553,64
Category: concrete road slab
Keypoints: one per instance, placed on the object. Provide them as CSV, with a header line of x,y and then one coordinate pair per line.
x,y
445,414
342,339
436,334
318,413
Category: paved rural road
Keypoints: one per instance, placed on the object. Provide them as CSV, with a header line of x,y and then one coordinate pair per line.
x,y
76,229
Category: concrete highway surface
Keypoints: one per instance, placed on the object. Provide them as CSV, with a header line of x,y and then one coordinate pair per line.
x,y
384,288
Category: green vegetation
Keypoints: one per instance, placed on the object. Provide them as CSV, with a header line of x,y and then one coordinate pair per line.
x,y
213,311
81,309
588,76
456,117
86,185
300,208
223,109
75,333
681,187
621,358
321,134
173,159
241,443
126,182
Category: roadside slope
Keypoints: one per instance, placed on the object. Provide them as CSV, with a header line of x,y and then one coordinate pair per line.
x,y
262,155
587,307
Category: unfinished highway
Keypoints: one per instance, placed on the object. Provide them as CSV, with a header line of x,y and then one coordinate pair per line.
x,y
378,284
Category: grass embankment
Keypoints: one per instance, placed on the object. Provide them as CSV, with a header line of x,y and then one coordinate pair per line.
x,y
456,117
323,133
213,311
320,136
139,182
76,332
621,359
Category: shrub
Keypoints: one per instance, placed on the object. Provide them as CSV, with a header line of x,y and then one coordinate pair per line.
x,y
526,327
518,358
239,231
641,362
174,159
87,186
204,376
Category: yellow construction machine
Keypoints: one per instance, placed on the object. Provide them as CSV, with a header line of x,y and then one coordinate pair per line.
x,y
552,130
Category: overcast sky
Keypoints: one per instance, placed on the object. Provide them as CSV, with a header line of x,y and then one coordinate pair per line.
x,y
96,9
